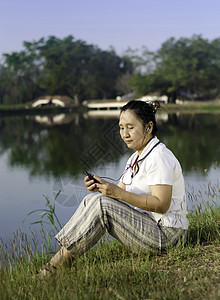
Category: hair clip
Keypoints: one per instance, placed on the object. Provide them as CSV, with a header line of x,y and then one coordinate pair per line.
x,y
155,105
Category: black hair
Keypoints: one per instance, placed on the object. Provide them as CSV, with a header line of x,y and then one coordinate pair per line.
x,y
144,111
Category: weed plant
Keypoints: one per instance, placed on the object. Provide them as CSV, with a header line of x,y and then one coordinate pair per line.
x,y
189,270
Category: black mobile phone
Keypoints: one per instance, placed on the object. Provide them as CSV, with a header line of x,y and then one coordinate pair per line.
x,y
91,177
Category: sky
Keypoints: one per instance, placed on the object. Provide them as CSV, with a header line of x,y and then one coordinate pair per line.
x,y
107,23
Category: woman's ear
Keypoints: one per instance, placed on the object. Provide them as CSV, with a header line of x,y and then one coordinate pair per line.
x,y
149,126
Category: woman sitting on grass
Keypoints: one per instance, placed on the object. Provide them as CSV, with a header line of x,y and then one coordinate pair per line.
x,y
146,211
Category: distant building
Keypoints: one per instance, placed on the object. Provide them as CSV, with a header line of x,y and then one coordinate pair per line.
x,y
147,98
61,101
154,97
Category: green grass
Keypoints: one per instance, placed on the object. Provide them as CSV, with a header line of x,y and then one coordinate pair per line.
x,y
196,107
25,108
109,271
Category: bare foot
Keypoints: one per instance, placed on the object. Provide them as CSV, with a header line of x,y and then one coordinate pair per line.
x,y
62,258
46,270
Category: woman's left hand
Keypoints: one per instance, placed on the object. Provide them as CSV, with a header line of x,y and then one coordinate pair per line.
x,y
107,188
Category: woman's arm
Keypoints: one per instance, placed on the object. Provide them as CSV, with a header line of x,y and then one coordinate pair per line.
x,y
158,202
121,185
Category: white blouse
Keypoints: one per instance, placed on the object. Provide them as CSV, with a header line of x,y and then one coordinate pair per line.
x,y
158,165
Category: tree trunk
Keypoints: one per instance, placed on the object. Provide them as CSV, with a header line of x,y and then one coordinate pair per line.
x,y
76,99
172,97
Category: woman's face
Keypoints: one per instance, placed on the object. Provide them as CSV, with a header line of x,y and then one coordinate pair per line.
x,y
132,131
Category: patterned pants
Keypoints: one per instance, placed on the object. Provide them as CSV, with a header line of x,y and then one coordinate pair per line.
x,y
136,230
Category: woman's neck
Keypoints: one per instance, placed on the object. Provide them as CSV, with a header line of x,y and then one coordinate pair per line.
x,y
144,145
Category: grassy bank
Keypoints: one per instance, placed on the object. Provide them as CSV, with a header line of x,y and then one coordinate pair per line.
x,y
109,271
26,109
195,107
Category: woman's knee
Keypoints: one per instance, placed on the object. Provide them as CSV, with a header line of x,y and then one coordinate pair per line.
x,y
88,198
103,203
106,202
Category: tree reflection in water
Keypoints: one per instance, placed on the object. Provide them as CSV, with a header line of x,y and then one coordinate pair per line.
x,y
54,151
65,144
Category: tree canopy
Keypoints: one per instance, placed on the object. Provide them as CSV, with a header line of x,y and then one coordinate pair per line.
x,y
184,67
60,66
187,67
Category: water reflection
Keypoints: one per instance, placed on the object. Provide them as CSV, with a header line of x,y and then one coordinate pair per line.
x,y
69,143
43,155
59,119
194,138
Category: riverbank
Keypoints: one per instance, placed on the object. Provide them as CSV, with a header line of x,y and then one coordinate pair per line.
x,y
23,109
109,271
27,109
195,107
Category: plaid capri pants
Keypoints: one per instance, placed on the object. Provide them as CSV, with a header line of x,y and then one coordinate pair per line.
x,y
136,230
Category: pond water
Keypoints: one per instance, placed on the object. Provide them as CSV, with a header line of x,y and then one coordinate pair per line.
x,y
42,155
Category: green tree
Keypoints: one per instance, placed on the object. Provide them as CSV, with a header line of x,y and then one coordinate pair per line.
x,y
61,66
2,83
105,70
66,66
80,70
22,72
189,67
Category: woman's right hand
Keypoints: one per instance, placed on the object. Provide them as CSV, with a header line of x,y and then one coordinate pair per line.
x,y
90,184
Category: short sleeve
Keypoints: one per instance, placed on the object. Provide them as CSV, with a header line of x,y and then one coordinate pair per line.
x,y
160,170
